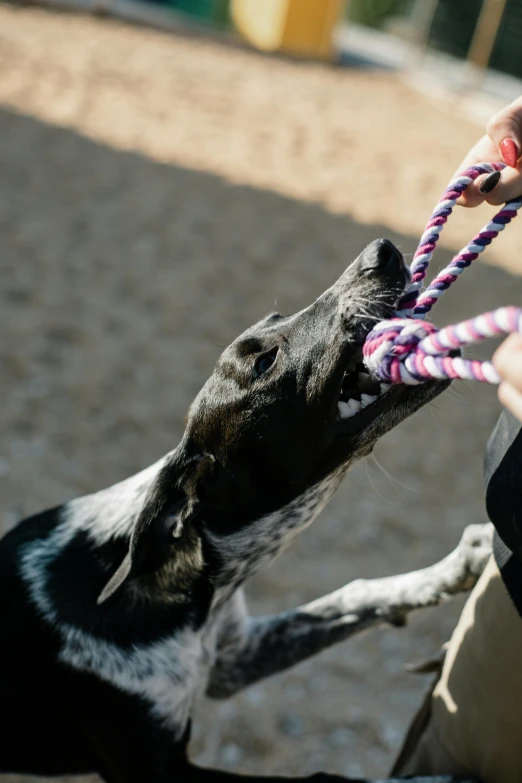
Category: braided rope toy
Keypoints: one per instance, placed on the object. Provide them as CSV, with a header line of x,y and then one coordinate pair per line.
x,y
408,349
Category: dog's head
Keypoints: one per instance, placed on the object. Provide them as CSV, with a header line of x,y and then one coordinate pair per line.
x,y
290,400
289,403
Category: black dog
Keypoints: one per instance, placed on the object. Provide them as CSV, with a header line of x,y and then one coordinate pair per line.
x,y
121,608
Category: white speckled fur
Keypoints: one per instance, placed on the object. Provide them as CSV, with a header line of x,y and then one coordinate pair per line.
x,y
260,542
231,650
170,674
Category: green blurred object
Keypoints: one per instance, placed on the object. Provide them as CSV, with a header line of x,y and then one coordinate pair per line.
x,y
222,11
216,11
507,53
453,26
374,13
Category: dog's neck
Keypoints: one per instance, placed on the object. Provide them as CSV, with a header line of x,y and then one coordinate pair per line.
x,y
111,514
242,553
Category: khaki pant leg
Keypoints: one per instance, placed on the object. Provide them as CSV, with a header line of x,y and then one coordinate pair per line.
x,y
474,724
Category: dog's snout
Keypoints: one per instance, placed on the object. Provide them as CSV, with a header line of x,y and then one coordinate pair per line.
x,y
381,256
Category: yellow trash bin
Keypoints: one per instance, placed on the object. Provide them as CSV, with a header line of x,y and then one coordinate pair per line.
x,y
299,27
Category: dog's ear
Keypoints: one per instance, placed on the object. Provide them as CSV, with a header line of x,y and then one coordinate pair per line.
x,y
169,506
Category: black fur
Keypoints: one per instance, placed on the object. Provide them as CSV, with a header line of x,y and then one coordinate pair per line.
x,y
118,608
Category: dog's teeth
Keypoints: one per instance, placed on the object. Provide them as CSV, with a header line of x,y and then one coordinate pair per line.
x,y
344,409
354,405
348,409
367,399
385,387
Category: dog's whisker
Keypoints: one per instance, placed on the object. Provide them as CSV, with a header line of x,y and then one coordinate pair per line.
x,y
459,388
457,396
394,481
389,501
368,317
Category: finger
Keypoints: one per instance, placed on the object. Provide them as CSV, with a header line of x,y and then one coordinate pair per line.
x,y
508,187
511,399
507,360
472,197
483,150
505,130
480,190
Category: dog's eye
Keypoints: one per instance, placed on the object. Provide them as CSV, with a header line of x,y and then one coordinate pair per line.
x,y
264,363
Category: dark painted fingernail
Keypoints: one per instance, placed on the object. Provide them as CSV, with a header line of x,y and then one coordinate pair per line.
x,y
509,151
490,182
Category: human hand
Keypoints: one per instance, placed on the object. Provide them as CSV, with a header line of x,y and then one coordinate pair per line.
x,y
507,361
503,142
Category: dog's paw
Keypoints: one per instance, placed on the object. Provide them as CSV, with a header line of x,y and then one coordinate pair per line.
x,y
477,545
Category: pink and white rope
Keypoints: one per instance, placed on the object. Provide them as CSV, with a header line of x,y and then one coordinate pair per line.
x,y
408,349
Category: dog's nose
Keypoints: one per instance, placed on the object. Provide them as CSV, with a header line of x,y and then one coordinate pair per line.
x,y
381,256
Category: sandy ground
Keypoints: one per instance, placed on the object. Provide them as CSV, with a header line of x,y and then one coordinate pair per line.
x,y
158,194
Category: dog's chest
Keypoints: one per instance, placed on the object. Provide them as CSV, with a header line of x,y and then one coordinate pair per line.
x,y
168,672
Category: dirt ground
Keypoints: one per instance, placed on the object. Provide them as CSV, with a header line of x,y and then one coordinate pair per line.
x,y
157,195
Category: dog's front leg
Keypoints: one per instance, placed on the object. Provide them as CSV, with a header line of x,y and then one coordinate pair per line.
x,y
276,642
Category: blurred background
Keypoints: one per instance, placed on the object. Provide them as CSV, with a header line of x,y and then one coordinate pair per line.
x,y
170,173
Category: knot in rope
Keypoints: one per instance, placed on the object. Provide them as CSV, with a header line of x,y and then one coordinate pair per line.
x,y
391,347
408,349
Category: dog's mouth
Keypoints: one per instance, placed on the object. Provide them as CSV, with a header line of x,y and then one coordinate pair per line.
x,y
362,396
359,390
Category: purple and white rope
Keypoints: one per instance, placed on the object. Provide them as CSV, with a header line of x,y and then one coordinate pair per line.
x,y
408,349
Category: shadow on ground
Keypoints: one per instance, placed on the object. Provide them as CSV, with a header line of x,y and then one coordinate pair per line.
x,y
121,281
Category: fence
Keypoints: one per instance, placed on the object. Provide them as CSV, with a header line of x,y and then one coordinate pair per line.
x,y
487,32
